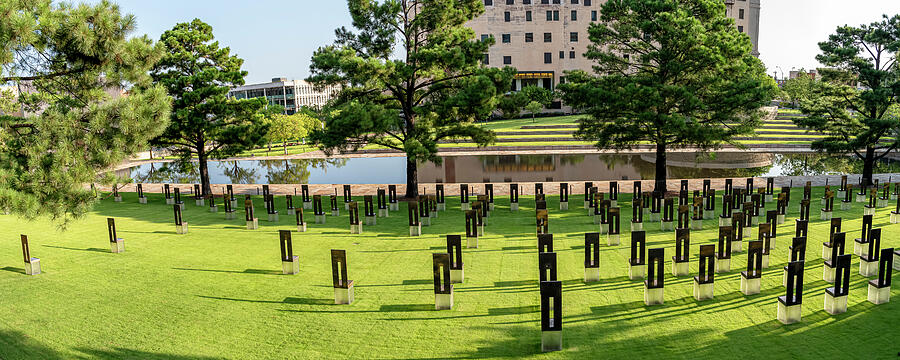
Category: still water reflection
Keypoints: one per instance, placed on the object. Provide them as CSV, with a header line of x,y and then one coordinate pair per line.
x,y
499,168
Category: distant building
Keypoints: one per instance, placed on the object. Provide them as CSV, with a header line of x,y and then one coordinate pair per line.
x,y
292,95
544,38
812,74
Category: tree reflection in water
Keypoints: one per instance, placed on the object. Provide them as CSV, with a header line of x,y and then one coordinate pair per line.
x,y
297,171
647,169
169,172
812,164
238,174
293,171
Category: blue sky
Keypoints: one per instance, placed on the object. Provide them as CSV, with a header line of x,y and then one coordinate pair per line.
x,y
277,37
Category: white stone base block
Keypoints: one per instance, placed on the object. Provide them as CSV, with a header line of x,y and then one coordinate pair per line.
x,y
879,296
394,206
551,341
170,201
868,211
307,205
371,220
860,248
457,276
748,230
654,216
667,225
768,198
142,200
291,267
824,215
637,226
754,221
749,286
33,267
653,296
846,205
681,268
788,314
117,198
301,228
696,224
895,218
384,213
723,265
724,221
860,198
199,202
426,221
443,207
707,215
415,230
828,273
356,229
780,219
471,242
443,301
636,272
320,219
765,261
514,207
253,224
480,229
335,213
346,206
896,260
183,229
614,203
737,246
234,204
117,247
868,268
343,296
597,221
826,253
835,305
563,205
213,209
291,212
881,203
465,206
840,194
587,205
591,274
612,240
703,291
181,205
604,228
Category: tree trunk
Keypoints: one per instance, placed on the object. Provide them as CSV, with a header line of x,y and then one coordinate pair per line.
x,y
412,178
661,175
204,173
284,145
868,166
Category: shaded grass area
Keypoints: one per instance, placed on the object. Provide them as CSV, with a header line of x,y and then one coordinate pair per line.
x,y
217,292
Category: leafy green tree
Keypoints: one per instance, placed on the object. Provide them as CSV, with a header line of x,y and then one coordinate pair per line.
x,y
856,119
534,107
205,123
283,128
511,104
67,61
434,91
799,88
674,73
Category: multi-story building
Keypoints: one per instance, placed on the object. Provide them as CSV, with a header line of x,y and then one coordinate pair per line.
x,y
544,38
292,95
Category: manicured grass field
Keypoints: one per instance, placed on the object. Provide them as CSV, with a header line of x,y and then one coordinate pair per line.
x,y
218,292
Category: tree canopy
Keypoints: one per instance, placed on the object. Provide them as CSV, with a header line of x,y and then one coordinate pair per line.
x,y
852,103
799,88
673,73
205,123
79,101
435,89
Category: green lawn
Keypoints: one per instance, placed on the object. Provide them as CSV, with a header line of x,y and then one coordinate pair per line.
x,y
217,292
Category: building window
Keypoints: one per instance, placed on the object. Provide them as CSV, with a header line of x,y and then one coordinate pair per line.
x,y
506,16
510,2
549,15
526,2
593,15
571,54
528,15
529,37
574,15
573,37
562,54
587,2
741,14
575,2
548,37
555,15
507,60
741,29
484,37
556,1
488,2
486,60
548,58
505,38
545,2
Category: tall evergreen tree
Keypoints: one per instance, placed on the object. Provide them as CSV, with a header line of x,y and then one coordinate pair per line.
x,y
435,90
65,124
205,123
851,104
673,73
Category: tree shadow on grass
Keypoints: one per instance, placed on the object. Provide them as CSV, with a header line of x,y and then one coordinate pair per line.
x,y
17,345
122,353
78,249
